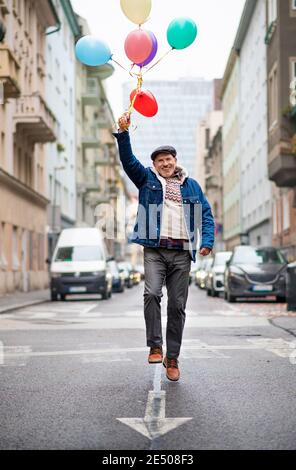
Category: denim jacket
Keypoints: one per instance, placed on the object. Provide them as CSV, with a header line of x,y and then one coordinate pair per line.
x,y
198,216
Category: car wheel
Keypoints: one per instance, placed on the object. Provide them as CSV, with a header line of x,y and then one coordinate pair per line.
x,y
63,297
106,294
214,293
281,299
53,296
209,292
230,298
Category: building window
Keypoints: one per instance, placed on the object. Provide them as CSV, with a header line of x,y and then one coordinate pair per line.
x,y
272,11
293,4
273,97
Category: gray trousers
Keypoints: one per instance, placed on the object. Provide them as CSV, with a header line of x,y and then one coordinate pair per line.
x,y
170,267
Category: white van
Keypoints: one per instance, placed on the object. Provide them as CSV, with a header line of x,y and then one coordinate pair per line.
x,y
79,264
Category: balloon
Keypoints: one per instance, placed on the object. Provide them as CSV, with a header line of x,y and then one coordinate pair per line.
x,y
138,46
145,103
136,10
181,33
153,52
92,51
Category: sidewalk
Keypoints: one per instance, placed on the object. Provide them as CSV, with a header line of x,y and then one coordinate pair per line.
x,y
18,300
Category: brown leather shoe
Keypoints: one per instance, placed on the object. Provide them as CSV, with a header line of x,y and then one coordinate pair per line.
x,y
172,369
155,355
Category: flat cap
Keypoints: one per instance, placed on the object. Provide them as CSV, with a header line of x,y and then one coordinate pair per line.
x,y
164,149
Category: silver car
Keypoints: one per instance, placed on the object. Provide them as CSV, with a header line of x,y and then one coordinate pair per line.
x,y
215,277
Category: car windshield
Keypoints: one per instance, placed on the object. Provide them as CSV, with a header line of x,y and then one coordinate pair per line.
x,y
79,253
250,255
222,258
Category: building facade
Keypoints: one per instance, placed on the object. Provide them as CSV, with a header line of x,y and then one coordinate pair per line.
x,y
256,188
60,92
26,124
214,185
233,234
281,74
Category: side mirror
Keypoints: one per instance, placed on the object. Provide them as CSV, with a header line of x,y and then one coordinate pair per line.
x,y
227,264
47,261
110,258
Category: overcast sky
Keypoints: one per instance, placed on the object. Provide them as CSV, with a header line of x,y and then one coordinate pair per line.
x,y
217,23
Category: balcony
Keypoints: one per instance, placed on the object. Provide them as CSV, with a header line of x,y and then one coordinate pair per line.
x,y
91,138
102,72
34,119
91,95
9,73
282,169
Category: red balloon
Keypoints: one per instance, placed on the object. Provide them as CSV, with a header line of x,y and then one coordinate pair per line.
x,y
138,46
145,103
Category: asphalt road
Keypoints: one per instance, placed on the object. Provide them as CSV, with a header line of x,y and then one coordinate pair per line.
x,y
74,375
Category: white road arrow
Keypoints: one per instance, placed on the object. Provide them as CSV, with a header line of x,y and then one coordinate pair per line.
x,y
154,424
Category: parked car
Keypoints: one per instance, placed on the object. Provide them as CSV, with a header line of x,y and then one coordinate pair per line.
x,y
126,269
255,272
193,270
140,269
118,282
136,276
202,272
79,264
215,277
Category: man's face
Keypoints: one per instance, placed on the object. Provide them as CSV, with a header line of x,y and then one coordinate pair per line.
x,y
165,164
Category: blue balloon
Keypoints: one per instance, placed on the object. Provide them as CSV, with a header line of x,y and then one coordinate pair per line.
x,y
92,51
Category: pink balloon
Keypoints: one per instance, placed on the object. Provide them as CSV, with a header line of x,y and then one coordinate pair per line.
x,y
138,46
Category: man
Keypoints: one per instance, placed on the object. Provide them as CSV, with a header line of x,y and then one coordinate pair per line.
x,y
172,212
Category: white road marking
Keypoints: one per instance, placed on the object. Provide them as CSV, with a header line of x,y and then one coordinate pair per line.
x,y
154,424
192,349
277,346
15,356
87,310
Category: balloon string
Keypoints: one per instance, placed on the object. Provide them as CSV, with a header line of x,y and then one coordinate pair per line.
x,y
113,60
159,60
139,86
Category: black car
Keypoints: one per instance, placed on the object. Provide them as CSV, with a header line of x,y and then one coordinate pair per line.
x,y
118,282
255,272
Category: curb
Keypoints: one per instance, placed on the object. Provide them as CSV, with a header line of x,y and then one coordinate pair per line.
x,y
13,308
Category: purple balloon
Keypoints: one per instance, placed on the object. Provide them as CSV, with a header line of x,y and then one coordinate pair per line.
x,y
153,52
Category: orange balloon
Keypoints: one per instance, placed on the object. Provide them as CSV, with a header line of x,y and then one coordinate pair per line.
x,y
138,46
145,103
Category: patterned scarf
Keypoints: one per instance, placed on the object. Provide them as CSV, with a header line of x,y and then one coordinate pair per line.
x,y
173,192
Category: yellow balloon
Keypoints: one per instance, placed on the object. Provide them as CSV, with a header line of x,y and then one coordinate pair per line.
x,y
136,10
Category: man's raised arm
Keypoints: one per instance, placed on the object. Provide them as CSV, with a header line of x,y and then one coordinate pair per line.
x,y
132,166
